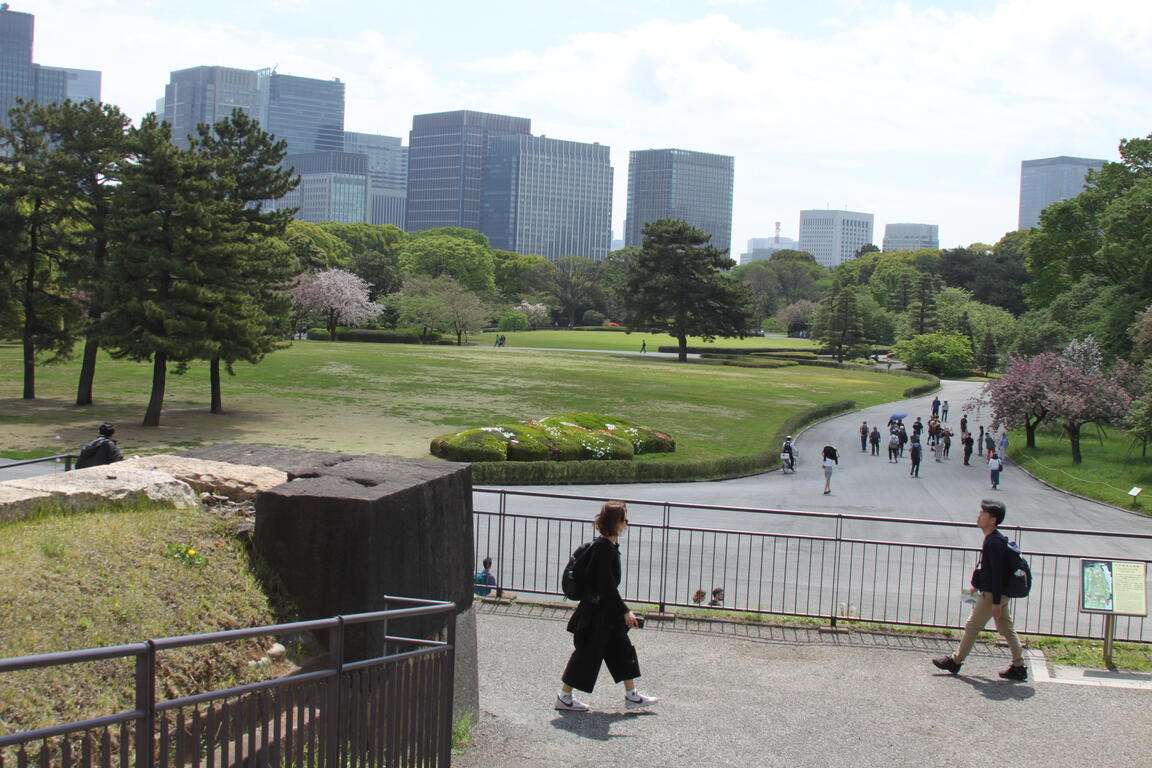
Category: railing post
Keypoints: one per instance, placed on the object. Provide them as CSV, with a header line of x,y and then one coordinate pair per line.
x,y
146,703
335,694
836,568
68,463
664,556
502,506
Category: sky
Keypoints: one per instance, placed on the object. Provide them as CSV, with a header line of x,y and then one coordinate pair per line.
x,y
912,111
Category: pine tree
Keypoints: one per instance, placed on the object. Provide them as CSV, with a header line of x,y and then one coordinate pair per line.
x,y
168,275
922,311
841,328
43,307
256,304
988,357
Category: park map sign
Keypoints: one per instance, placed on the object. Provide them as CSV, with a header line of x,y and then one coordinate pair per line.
x,y
1113,586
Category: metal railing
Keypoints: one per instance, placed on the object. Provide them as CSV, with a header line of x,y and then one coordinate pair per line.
x,y
821,565
67,457
391,710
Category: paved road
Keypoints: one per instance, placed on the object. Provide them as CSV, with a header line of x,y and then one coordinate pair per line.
x,y
740,696
869,485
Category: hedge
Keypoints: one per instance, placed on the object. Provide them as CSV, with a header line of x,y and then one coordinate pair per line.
x,y
562,472
562,438
727,350
379,336
760,363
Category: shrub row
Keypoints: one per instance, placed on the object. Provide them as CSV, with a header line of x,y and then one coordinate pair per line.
x,y
556,473
565,438
380,336
794,355
728,350
760,363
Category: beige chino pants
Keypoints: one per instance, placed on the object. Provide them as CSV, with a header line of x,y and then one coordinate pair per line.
x,y
981,612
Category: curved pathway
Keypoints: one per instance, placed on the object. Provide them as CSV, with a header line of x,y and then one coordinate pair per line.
x,y
870,485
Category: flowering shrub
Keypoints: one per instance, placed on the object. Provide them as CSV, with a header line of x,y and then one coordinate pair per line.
x,y
565,437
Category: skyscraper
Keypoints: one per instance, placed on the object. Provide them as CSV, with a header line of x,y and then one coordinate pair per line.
x,y
548,197
20,78
834,236
207,95
333,187
695,187
446,166
911,237
387,175
1050,180
306,112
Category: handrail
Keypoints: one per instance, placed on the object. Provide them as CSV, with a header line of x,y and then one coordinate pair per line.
x,y
68,457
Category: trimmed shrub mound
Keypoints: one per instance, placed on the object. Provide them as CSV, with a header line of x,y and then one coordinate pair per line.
x,y
565,437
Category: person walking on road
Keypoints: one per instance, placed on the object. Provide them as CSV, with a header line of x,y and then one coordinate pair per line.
x,y
989,581
968,443
989,444
830,460
601,621
944,411
1003,447
863,436
963,424
894,447
994,467
874,440
935,407
915,453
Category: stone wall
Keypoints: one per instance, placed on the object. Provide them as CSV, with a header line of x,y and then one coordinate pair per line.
x,y
346,530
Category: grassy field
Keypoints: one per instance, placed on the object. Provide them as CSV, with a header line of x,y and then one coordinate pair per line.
x,y
393,399
630,342
1110,466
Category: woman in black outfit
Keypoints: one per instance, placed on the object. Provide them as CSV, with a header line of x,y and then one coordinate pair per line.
x,y
601,621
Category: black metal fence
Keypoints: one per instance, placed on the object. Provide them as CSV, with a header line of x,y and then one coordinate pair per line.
x,y
829,566
391,710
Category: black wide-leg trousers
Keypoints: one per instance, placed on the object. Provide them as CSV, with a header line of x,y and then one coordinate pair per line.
x,y
597,644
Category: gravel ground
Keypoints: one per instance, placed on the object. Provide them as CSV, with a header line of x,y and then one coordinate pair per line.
x,y
735,695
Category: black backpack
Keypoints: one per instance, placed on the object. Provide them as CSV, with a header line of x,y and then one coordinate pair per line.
x,y
89,452
1020,580
573,576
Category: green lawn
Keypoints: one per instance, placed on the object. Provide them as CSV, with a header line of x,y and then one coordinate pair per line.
x,y
1110,465
630,342
393,399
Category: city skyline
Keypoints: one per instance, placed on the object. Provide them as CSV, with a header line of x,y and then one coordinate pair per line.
x,y
802,97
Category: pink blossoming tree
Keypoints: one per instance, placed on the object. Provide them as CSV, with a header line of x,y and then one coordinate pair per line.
x,y
336,296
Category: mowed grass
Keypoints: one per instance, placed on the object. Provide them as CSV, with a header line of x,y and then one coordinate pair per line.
x,y
1110,465
394,399
630,342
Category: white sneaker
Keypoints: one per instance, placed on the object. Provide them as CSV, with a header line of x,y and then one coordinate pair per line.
x,y
569,703
636,698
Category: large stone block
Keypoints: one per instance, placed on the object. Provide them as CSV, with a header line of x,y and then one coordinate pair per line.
x,y
87,488
19,503
238,482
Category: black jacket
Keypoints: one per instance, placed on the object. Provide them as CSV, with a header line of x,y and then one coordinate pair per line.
x,y
604,607
100,451
991,575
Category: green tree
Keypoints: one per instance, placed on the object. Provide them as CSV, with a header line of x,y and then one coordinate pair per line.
x,y
676,285
937,353
36,268
315,248
987,358
174,227
461,257
840,325
573,282
255,268
516,275
922,311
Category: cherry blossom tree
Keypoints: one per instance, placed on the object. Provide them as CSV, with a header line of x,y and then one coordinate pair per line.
x,y
537,314
337,296
1019,397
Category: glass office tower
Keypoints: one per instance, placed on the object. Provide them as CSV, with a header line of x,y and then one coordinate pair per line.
x,y
1050,180
306,112
207,95
548,197
446,166
695,187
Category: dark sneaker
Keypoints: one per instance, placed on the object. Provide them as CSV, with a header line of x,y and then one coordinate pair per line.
x,y
946,663
1015,673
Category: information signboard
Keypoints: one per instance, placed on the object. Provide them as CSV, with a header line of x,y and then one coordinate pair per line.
x,y
1115,587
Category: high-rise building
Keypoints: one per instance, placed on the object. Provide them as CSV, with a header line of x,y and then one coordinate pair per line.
x,y
761,248
77,84
547,197
333,187
208,95
1050,180
911,237
20,78
834,236
387,175
306,112
695,187
446,153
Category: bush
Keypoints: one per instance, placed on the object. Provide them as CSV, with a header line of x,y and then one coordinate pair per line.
x,y
379,336
567,437
555,473
761,363
592,317
513,321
